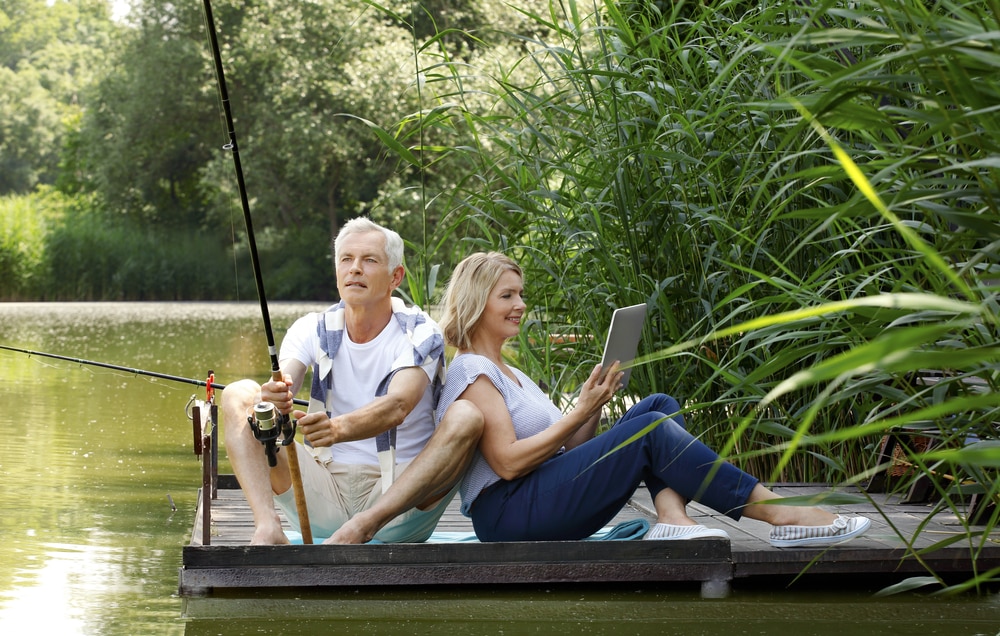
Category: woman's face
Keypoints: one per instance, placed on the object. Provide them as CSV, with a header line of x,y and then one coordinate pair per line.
x,y
505,307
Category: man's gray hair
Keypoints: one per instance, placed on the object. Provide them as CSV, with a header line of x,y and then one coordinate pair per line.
x,y
362,225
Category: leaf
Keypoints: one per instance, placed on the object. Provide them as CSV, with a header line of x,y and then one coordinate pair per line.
x,y
388,140
895,351
908,585
819,499
984,454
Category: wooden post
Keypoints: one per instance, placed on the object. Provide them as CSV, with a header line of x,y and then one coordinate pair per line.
x,y
205,427
214,414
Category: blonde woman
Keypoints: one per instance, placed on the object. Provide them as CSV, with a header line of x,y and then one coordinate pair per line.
x,y
540,474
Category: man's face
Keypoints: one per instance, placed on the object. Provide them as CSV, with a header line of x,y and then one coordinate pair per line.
x,y
363,274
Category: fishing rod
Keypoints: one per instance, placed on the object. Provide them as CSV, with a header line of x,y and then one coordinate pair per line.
x,y
152,374
265,424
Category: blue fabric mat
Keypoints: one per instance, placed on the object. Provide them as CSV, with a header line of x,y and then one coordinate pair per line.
x,y
624,531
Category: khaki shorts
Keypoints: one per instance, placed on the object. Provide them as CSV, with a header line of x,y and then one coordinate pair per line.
x,y
335,492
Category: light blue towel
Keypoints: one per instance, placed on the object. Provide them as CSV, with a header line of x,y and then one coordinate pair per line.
x,y
624,531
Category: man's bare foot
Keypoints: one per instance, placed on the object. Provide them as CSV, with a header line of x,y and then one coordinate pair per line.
x,y
352,532
268,536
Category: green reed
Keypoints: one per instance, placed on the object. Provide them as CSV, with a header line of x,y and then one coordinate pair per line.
x,y
805,194
58,248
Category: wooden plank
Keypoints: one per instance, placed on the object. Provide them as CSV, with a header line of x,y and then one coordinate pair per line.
x,y
399,554
380,575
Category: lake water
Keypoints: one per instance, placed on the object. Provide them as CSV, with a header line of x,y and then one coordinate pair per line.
x,y
95,461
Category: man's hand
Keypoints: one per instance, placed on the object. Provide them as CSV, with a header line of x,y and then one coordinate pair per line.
x,y
319,429
279,394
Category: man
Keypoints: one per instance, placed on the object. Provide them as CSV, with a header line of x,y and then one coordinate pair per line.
x,y
376,368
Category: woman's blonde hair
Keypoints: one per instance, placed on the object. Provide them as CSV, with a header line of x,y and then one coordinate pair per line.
x,y
468,291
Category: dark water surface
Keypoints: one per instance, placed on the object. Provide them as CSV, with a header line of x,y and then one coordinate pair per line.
x,y
93,460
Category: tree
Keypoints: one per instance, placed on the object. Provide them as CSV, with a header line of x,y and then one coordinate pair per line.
x,y
146,136
48,52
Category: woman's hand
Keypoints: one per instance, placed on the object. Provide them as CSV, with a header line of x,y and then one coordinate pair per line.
x,y
594,394
599,388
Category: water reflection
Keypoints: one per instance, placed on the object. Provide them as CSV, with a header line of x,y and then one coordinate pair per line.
x,y
48,587
92,459
588,611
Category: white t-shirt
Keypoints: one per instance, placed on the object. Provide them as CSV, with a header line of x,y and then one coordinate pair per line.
x,y
357,371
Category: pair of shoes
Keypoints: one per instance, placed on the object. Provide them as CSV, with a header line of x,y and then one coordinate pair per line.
x,y
670,532
842,529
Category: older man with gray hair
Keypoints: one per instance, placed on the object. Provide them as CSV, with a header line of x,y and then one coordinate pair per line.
x,y
373,466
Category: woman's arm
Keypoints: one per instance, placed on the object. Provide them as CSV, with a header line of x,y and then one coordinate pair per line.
x,y
510,457
586,432
601,387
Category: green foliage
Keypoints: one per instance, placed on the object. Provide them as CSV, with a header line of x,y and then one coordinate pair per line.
x,y
143,143
59,248
88,259
303,77
49,52
24,223
806,196
303,80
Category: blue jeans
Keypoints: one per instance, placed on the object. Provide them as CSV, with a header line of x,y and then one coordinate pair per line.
x,y
576,493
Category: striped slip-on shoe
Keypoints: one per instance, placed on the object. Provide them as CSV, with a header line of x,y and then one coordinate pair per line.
x,y
670,532
842,529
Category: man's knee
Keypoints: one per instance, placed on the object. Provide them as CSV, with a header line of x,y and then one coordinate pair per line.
x,y
240,394
238,399
464,418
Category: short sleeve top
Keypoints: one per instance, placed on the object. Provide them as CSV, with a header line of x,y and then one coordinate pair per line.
x,y
531,412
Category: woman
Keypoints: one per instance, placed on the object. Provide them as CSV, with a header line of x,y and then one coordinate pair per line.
x,y
543,475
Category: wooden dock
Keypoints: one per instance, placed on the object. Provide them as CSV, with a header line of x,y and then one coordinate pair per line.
x,y
229,565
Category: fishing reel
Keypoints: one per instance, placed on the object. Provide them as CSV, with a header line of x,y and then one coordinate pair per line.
x,y
268,425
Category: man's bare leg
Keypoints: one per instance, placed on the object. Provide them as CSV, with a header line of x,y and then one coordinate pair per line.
x,y
430,476
258,480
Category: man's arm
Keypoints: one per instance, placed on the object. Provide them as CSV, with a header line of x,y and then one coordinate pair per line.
x,y
381,414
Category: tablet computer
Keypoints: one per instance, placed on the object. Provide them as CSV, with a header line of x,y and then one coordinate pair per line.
x,y
623,338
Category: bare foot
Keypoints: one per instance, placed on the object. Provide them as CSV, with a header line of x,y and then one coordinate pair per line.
x,y
763,509
679,519
797,516
352,532
812,517
268,536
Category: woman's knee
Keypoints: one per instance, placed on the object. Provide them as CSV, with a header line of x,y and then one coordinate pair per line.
x,y
660,431
670,405
667,405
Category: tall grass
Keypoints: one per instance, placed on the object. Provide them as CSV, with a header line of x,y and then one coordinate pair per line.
x,y
23,225
55,248
805,194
